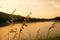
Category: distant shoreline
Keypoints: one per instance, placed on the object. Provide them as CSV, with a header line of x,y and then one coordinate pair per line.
x,y
5,24
4,17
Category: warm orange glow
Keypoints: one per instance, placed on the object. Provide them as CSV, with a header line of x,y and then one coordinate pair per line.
x,y
39,8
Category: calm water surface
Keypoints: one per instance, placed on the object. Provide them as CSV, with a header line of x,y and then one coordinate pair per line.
x,y
30,32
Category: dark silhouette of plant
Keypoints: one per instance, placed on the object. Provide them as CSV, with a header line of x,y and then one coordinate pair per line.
x,y
24,24
51,27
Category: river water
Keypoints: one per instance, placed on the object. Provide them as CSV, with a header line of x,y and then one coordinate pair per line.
x,y
31,31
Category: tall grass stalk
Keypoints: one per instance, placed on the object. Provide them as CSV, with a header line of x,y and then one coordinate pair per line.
x,y
15,35
36,38
11,30
52,26
24,24
11,16
8,36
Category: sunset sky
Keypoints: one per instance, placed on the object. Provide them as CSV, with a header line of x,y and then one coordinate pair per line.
x,y
39,8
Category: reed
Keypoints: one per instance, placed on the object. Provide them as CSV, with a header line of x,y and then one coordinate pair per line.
x,y
11,30
11,16
15,35
24,24
37,35
51,27
8,36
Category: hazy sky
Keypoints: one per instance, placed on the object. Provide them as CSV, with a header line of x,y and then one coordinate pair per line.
x,y
39,8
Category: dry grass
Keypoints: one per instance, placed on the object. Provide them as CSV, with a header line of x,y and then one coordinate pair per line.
x,y
11,16
24,24
51,27
11,30
37,35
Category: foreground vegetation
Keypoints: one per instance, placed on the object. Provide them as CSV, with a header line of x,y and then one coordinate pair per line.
x,y
53,38
11,19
